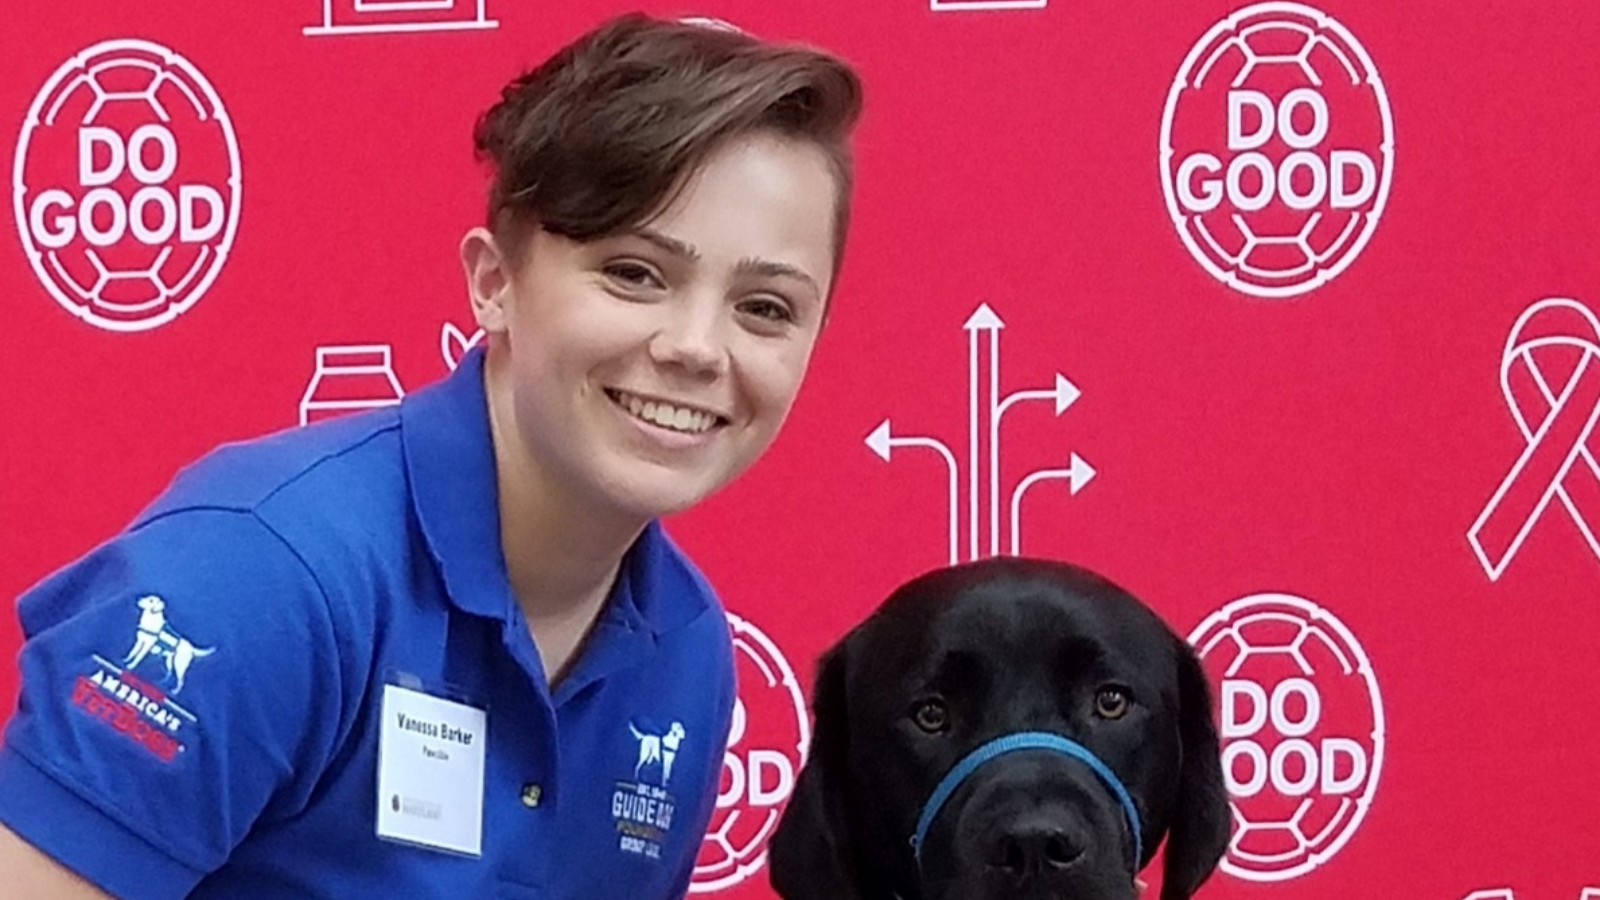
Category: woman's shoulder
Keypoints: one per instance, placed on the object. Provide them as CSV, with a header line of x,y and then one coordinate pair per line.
x,y
310,463
335,494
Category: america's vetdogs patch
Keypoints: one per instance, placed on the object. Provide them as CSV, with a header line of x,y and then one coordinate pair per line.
x,y
641,806
141,706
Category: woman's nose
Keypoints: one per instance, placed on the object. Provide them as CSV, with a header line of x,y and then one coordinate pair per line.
x,y
692,339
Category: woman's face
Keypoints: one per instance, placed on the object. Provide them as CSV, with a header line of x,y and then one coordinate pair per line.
x,y
647,369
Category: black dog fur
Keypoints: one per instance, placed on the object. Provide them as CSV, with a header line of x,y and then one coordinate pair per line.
x,y
1004,645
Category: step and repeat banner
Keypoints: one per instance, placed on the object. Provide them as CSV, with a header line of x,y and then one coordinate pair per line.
x,y
1281,315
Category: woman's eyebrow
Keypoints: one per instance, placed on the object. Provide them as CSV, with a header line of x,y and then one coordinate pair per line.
x,y
750,265
670,244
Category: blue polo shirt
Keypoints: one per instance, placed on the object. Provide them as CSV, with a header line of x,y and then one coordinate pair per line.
x,y
201,696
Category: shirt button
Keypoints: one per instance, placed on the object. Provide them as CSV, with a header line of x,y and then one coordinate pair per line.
x,y
530,794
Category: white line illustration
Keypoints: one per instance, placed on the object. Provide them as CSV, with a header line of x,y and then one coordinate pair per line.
x,y
985,5
1555,444
1065,393
349,378
1062,394
1509,894
881,442
983,319
160,73
388,17
1077,475
453,344
1282,625
729,864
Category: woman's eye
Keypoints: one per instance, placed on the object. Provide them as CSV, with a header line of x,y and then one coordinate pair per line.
x,y
931,716
768,310
1111,703
633,274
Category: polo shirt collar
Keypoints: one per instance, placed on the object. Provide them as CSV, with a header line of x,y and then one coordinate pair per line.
x,y
444,430
449,454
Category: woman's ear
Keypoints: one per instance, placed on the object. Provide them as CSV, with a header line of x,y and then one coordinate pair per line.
x,y
489,277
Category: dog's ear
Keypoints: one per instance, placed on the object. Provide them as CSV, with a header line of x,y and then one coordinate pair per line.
x,y
1200,827
809,856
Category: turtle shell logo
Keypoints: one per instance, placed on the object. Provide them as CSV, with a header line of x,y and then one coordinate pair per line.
x,y
126,185
766,746
1277,150
1302,728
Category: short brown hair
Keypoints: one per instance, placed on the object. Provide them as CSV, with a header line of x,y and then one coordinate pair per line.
x,y
600,136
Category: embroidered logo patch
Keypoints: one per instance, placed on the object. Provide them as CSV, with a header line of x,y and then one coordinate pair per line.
x,y
143,711
642,807
156,638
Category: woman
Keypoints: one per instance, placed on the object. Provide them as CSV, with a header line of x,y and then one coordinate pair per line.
x,y
445,650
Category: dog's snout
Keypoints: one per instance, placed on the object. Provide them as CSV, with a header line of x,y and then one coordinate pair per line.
x,y
1037,844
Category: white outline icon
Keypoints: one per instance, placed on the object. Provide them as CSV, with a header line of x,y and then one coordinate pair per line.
x,y
361,361
776,673
1191,227
1314,622
376,10
984,5
453,344
1062,393
1509,894
84,69
1551,441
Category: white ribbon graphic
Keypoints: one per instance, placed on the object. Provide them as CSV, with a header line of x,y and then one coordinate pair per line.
x,y
1557,462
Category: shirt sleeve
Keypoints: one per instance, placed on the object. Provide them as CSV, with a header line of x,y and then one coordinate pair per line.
x,y
706,803
179,685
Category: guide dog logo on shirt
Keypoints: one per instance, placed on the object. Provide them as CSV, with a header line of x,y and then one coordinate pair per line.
x,y
643,808
156,637
143,712
659,749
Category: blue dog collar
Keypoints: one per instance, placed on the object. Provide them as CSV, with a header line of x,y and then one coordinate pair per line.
x,y
1027,740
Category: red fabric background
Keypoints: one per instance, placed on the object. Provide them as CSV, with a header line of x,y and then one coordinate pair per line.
x,y
1336,445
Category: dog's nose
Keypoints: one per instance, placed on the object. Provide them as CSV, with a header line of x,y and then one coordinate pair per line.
x,y
1036,845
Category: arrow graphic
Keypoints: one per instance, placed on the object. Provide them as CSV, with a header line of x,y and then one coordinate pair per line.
x,y
883,442
1077,474
982,319
1063,394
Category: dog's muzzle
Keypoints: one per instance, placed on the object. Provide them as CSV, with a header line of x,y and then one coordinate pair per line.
x,y
1027,740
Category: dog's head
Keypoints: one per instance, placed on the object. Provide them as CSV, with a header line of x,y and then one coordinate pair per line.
x,y
963,656
152,604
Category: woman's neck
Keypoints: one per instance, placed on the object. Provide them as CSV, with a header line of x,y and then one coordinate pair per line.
x,y
562,553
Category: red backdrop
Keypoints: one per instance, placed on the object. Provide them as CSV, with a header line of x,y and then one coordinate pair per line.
x,y
1257,292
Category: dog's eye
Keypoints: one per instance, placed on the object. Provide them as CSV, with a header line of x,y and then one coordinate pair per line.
x,y
1111,703
931,716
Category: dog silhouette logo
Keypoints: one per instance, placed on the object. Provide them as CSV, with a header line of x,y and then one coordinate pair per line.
x,y
156,637
657,749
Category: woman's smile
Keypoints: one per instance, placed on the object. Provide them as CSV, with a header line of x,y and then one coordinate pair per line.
x,y
677,418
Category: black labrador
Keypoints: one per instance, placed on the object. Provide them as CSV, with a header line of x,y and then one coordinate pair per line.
x,y
1011,729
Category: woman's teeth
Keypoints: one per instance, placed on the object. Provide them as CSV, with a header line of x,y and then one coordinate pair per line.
x,y
677,418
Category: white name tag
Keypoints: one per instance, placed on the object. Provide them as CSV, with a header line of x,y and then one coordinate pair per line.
x,y
430,771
